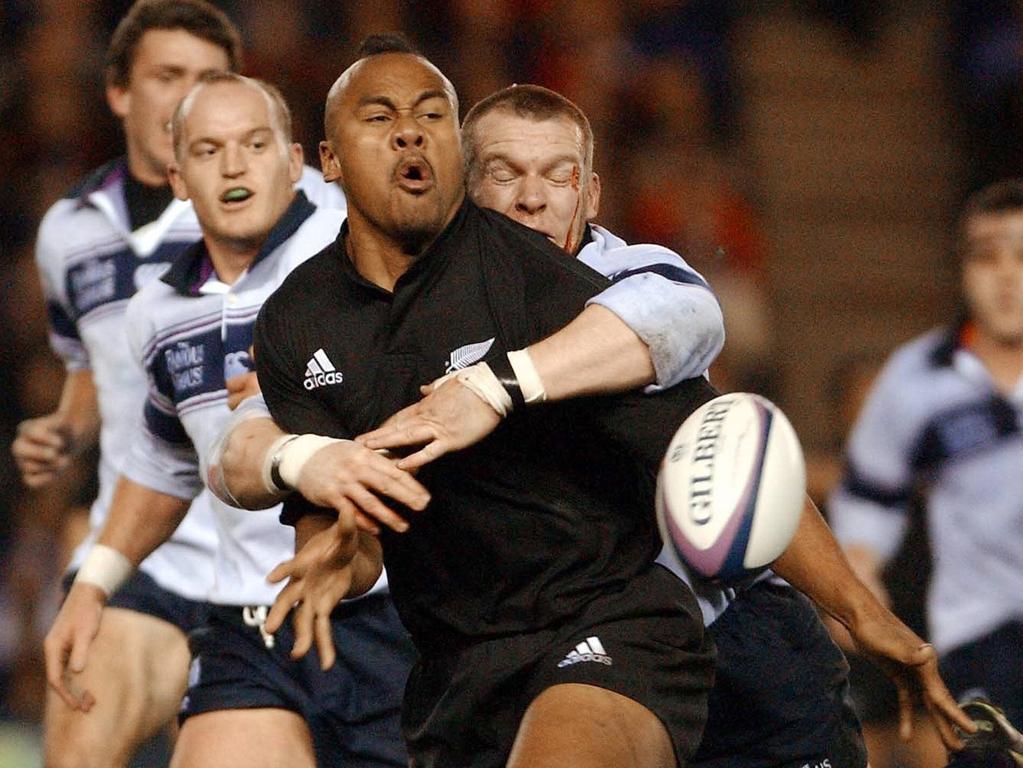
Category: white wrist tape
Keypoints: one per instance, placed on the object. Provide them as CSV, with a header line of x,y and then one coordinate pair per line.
x,y
529,378
296,452
105,568
482,382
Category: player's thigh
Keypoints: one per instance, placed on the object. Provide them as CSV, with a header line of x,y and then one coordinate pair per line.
x,y
137,671
585,726
244,738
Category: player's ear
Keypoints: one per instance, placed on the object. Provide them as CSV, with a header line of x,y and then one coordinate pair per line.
x,y
176,182
592,197
119,100
329,162
296,156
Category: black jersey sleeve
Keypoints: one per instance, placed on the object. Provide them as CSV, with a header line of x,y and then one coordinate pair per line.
x,y
642,425
275,341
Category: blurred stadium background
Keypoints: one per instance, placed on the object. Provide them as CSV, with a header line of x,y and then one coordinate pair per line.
x,y
807,156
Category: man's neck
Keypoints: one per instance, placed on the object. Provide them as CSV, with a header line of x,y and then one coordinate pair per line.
x,y
231,259
1003,360
380,258
143,172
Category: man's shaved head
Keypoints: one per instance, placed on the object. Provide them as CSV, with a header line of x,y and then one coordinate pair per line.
x,y
379,45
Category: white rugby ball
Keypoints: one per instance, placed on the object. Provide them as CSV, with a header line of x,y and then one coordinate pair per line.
x,y
731,487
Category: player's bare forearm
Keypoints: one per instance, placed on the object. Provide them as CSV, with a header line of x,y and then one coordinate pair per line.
x,y
596,353
333,561
79,408
308,526
241,462
815,565
367,565
140,520
367,562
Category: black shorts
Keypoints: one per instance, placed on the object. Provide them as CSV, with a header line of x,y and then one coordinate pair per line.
x,y
781,695
874,696
352,710
141,593
646,643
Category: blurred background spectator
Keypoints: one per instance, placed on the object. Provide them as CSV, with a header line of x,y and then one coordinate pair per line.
x,y
804,155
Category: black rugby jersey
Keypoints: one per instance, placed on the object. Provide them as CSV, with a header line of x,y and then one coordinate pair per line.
x,y
526,527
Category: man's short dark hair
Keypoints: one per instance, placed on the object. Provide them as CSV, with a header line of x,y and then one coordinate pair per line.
x,y
1001,197
197,17
533,102
387,42
375,45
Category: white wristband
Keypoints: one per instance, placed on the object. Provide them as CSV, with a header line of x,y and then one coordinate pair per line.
x,y
482,382
297,451
106,568
529,378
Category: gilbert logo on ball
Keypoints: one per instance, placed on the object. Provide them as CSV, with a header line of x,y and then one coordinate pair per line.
x,y
731,487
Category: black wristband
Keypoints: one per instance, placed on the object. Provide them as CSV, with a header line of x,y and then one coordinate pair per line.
x,y
295,507
275,466
501,368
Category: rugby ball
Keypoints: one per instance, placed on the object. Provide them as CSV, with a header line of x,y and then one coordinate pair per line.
x,y
731,487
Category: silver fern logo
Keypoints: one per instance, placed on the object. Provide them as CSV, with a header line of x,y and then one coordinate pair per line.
x,y
465,356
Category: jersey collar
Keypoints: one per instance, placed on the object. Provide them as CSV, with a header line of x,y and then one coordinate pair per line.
x,y
431,259
103,190
193,267
956,337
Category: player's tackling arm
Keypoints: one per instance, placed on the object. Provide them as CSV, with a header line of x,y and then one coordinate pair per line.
x,y
235,474
596,353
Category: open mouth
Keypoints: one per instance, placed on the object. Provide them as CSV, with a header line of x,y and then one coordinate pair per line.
x,y
236,195
414,174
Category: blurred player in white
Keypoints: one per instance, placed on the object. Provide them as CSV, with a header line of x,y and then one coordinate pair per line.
x,y
110,235
943,418
248,703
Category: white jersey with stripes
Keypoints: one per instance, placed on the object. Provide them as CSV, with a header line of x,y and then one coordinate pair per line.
x,y
935,423
91,264
191,332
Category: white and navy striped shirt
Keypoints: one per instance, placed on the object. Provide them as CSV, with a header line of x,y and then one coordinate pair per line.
x,y
90,265
191,332
935,422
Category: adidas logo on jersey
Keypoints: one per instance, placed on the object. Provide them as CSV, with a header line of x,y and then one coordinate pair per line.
x,y
319,371
589,649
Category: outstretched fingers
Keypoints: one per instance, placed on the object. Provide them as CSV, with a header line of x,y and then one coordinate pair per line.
x,y
325,640
287,597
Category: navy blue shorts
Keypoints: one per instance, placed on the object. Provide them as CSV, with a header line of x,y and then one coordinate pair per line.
x,y
780,698
352,710
142,594
991,667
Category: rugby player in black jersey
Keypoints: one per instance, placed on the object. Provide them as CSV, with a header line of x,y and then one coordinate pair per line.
x,y
535,544
528,719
